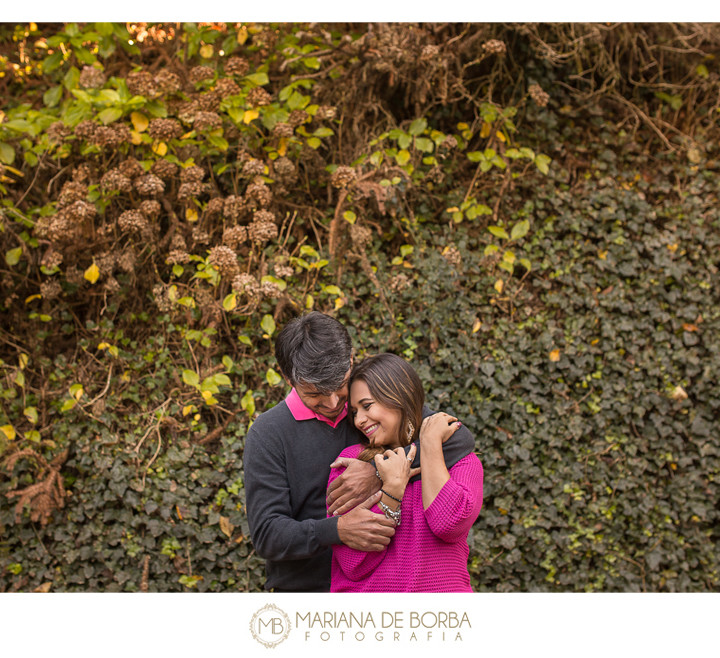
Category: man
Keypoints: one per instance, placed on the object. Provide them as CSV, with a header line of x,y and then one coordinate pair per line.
x,y
287,458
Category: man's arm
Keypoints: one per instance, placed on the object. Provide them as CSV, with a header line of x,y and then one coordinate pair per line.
x,y
275,534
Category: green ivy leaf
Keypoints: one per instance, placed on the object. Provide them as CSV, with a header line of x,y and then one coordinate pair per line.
x,y
520,230
191,378
272,377
499,232
268,325
12,257
110,114
418,126
542,162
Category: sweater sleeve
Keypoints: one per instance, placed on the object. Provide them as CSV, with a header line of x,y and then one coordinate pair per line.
x,y
355,565
275,534
459,445
458,503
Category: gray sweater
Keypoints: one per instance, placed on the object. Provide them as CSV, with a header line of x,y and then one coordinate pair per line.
x,y
287,466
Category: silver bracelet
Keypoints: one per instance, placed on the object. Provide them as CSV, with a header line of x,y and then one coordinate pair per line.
x,y
394,516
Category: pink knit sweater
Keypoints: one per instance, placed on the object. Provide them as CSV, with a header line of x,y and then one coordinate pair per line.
x,y
429,551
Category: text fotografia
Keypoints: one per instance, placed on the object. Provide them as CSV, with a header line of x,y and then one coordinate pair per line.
x,y
403,626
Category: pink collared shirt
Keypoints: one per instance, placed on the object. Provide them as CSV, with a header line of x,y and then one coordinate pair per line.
x,y
301,412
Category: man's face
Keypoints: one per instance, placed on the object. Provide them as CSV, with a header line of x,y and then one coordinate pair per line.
x,y
326,404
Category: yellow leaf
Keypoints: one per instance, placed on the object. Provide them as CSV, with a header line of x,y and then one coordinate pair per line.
x,y
125,377
476,326
139,121
160,148
230,302
673,247
485,129
242,35
250,115
282,146
92,273
339,303
135,137
207,51
501,136
679,393
208,397
603,255
499,285
188,409
43,589
226,526
8,431
191,215
555,355
452,210
29,299
103,346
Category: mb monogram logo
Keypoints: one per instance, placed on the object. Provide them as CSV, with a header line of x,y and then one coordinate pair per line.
x,y
270,625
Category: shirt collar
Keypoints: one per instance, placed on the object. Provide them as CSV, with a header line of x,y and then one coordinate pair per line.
x,y
301,412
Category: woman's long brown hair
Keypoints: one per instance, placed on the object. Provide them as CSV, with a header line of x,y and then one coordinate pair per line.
x,y
393,383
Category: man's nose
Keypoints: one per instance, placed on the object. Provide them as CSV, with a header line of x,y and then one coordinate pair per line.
x,y
332,400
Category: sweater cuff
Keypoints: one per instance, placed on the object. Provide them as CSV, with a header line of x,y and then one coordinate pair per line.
x,y
326,531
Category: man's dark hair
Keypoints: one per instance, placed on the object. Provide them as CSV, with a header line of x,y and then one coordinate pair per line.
x,y
314,349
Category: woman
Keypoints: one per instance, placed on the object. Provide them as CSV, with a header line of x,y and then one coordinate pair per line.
x,y
433,515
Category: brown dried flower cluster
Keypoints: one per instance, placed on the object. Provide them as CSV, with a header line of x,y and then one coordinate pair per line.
x,y
325,112
115,181
149,185
141,83
283,130
207,121
540,97
285,170
91,78
50,289
226,87
150,208
398,283
131,168
237,66
135,223
58,132
360,236
234,207
110,136
263,227
164,130
257,97
343,177
253,167
192,174
72,191
224,260
164,169
246,284
234,236
200,73
452,255
215,207
297,118
167,82
494,46
258,194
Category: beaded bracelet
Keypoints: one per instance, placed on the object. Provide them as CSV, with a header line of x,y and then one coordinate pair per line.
x,y
390,495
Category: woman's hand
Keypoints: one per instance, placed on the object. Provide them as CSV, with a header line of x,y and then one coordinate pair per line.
x,y
394,469
438,428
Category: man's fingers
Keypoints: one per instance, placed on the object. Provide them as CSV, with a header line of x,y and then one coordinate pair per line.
x,y
340,462
414,472
371,500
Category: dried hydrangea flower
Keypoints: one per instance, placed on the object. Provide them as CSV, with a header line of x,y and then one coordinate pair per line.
x,y
343,177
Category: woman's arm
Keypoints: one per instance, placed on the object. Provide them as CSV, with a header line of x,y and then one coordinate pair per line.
x,y
451,499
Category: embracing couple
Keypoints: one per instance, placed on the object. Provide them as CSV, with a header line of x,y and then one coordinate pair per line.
x,y
352,483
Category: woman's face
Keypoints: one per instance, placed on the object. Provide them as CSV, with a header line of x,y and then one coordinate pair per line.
x,y
381,425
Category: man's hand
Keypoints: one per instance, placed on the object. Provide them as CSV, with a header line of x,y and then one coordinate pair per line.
x,y
351,487
364,530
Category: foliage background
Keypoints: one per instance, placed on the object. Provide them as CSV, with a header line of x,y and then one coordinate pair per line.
x,y
527,212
